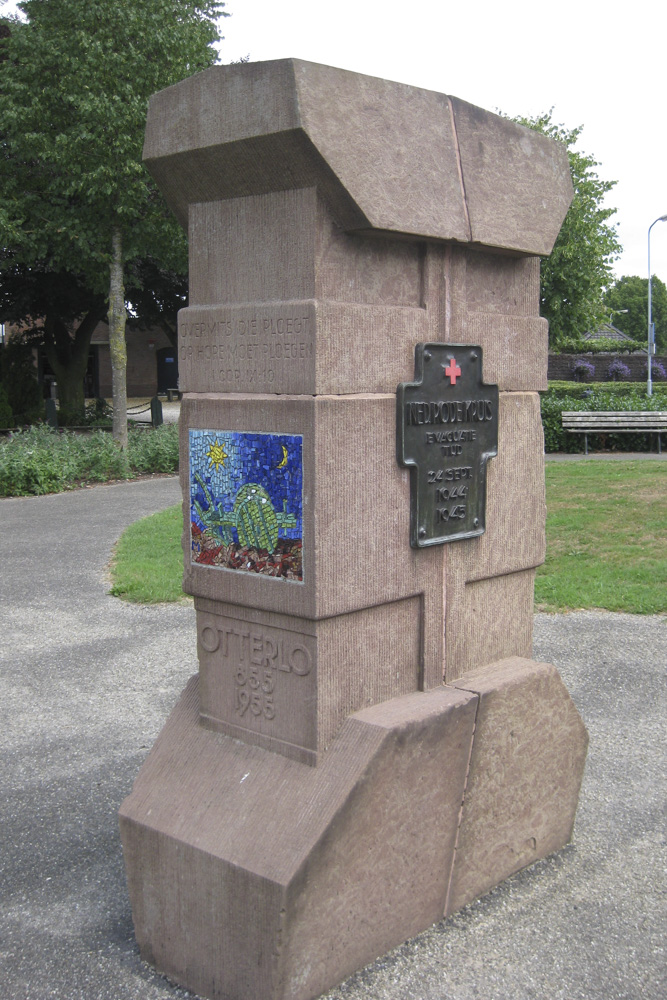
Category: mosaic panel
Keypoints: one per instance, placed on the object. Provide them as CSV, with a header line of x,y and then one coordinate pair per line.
x,y
246,502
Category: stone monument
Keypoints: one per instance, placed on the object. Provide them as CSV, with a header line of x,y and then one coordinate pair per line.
x,y
369,745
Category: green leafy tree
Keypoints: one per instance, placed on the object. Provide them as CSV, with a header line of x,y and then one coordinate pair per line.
x,y
575,275
54,309
626,302
156,294
18,381
75,80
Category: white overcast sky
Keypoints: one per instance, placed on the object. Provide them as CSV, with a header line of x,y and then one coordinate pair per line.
x,y
600,65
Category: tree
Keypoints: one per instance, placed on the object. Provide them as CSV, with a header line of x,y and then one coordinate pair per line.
x,y
18,385
75,80
575,275
626,302
156,294
56,310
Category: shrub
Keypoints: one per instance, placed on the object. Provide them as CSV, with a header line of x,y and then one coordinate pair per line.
x,y
43,460
657,370
608,390
603,345
617,371
582,370
598,396
154,450
96,413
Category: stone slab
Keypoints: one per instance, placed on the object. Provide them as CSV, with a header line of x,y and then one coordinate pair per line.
x,y
356,547
321,311
495,284
494,301
469,176
244,867
525,774
316,311
516,504
487,620
490,579
396,152
288,683
298,347
517,181
340,348
504,339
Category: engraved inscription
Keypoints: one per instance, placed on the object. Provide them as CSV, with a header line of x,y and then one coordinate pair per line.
x,y
447,430
257,660
244,350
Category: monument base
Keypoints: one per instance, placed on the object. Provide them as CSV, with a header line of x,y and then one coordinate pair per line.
x,y
253,875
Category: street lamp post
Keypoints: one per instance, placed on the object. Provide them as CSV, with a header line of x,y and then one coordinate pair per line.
x,y
651,331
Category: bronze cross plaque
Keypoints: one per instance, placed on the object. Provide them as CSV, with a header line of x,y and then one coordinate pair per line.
x,y
447,429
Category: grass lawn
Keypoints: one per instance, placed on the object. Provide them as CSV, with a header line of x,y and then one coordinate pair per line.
x,y
606,537
148,561
606,542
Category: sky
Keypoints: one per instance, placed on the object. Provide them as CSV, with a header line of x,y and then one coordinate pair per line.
x,y
600,65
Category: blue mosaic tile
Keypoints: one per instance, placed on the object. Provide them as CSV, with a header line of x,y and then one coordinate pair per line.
x,y
246,502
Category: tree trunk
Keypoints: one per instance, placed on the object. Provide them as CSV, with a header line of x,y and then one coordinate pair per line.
x,y
117,345
67,355
69,372
71,399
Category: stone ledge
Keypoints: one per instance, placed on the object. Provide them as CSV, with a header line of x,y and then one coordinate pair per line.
x,y
526,769
251,128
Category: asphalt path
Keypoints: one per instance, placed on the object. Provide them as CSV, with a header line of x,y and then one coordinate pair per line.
x,y
86,682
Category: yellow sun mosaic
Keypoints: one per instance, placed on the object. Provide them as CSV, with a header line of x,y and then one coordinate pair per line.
x,y
216,455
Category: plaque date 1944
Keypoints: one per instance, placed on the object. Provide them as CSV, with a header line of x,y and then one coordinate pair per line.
x,y
447,430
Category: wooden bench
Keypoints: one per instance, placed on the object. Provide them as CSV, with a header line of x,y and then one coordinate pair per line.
x,y
615,422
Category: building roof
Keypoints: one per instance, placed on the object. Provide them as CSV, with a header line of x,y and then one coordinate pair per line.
x,y
606,332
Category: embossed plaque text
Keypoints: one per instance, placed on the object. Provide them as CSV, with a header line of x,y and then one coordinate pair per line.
x,y
447,429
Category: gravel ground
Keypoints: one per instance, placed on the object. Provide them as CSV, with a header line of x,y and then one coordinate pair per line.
x,y
86,683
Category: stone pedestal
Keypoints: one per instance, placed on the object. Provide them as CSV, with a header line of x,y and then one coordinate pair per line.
x,y
368,745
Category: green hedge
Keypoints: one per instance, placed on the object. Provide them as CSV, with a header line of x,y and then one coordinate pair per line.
x,y
581,390
596,396
604,345
42,460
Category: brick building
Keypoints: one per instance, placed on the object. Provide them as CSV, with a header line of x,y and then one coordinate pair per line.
x,y
152,364
152,361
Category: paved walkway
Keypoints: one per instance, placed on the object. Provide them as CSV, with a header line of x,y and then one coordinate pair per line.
x,y
86,682
139,409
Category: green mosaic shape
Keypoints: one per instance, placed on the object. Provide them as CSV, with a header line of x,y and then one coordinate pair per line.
x,y
256,521
255,518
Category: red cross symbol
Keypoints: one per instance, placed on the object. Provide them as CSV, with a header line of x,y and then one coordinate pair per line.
x,y
453,371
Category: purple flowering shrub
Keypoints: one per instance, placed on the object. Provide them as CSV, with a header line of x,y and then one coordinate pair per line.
x,y
618,371
657,370
582,370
